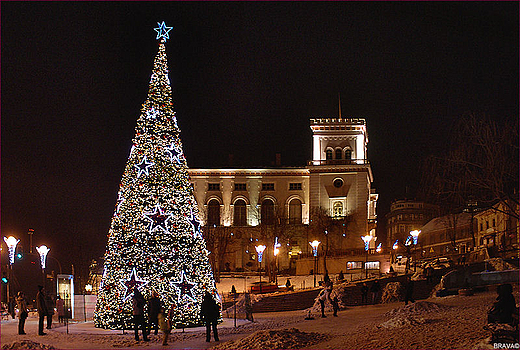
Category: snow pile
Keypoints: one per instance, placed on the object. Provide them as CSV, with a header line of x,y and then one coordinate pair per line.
x,y
413,314
275,339
26,344
500,265
241,304
391,292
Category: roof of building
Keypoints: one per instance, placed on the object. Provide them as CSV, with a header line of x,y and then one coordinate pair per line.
x,y
443,222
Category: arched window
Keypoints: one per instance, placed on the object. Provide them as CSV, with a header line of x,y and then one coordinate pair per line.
x,y
328,154
348,154
339,153
240,216
337,209
213,212
267,212
295,211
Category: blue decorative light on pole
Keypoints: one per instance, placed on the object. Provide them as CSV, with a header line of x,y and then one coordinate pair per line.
x,y
366,239
314,244
260,250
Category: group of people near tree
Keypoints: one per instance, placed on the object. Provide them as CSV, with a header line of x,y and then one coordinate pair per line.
x,y
45,306
159,318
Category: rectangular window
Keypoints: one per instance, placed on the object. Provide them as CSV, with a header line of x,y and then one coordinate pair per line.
x,y
294,186
354,265
214,187
240,187
268,187
372,265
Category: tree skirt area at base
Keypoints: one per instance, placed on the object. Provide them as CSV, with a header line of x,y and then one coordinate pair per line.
x,y
275,339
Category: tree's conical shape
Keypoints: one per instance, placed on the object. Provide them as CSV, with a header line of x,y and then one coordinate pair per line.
x,y
154,242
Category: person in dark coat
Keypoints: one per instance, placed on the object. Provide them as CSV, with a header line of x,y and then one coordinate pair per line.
x,y
375,289
341,277
49,302
138,303
249,307
335,306
42,309
408,292
60,308
154,305
209,313
504,307
21,303
364,293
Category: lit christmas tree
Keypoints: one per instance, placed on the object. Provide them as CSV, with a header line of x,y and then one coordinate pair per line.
x,y
155,241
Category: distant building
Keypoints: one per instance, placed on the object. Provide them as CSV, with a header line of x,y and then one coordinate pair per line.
x,y
498,231
447,235
338,180
407,215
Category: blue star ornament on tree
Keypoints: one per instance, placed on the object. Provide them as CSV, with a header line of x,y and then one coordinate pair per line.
x,y
158,219
132,283
143,167
162,31
184,288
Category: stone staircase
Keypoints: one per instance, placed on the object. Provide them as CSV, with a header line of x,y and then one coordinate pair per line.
x,y
288,301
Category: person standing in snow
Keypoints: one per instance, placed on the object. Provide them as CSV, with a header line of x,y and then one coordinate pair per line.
x,y
42,309
408,294
22,311
210,312
60,308
249,307
375,289
504,307
154,305
138,303
364,293
49,302
335,306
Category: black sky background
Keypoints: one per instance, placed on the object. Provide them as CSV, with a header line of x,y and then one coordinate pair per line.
x,y
246,79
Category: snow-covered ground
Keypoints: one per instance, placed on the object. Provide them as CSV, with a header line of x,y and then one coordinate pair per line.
x,y
454,322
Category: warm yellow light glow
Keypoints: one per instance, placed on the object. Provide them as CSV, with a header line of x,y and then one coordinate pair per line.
x,y
88,288
276,251
314,244
415,233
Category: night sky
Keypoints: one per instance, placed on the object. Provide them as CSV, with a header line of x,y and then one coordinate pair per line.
x,y
247,77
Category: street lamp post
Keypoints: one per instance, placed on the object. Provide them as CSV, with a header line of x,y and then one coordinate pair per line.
x,y
11,245
43,251
314,244
415,235
366,239
260,250
276,251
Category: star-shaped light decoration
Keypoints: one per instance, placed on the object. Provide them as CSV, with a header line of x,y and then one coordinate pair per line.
x,y
175,152
184,288
195,224
162,31
120,201
152,113
158,219
132,283
143,167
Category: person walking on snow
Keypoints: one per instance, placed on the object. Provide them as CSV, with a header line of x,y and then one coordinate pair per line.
x,y
21,303
42,309
138,303
209,313
375,289
154,305
408,296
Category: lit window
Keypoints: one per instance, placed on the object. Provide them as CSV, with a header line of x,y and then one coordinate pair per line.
x,y
337,209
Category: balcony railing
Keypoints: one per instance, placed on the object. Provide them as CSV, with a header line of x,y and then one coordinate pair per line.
x,y
339,162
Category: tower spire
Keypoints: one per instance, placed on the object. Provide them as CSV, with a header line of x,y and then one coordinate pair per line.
x,y
339,104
